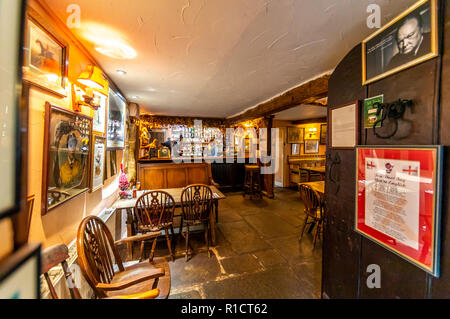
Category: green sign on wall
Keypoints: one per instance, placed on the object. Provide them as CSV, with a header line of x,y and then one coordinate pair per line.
x,y
370,111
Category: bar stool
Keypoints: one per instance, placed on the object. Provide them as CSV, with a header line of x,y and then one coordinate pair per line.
x,y
253,181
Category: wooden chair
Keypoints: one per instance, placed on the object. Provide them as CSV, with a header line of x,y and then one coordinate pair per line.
x,y
103,269
52,257
196,206
154,211
313,209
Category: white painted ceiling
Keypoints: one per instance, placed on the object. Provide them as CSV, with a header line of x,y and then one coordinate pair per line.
x,y
216,58
302,112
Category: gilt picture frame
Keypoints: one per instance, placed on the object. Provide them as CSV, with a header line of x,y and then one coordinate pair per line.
x,y
98,162
295,135
46,56
409,39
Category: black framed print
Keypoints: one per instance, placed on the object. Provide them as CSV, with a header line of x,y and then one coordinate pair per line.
x,y
409,39
12,13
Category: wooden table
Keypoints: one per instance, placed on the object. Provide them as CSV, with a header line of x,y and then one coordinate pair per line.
x,y
321,170
129,204
319,187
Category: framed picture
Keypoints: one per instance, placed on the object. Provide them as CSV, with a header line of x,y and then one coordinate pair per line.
x,y
67,151
323,134
295,135
99,119
46,56
12,14
296,149
116,122
20,274
344,125
409,39
98,162
398,196
164,153
311,146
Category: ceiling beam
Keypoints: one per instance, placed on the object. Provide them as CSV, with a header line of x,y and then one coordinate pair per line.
x,y
310,121
306,93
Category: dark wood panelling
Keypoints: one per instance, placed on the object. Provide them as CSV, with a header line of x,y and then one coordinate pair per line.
x,y
399,278
440,288
341,248
345,84
427,123
415,84
341,266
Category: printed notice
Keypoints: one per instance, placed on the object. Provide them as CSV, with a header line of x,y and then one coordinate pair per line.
x,y
392,199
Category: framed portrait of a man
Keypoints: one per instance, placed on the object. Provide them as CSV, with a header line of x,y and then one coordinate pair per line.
x,y
409,39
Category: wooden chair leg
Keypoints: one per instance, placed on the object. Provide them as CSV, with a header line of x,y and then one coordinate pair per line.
x,y
207,239
317,234
304,226
169,243
153,249
187,243
141,252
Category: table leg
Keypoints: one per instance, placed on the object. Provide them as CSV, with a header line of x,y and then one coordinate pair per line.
x,y
130,232
212,220
309,176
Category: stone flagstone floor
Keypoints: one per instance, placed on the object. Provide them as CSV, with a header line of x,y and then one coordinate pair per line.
x,y
258,254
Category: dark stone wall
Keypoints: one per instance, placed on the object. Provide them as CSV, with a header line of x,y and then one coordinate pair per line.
x,y
347,254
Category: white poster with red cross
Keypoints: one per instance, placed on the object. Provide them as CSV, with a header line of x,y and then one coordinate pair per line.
x,y
392,199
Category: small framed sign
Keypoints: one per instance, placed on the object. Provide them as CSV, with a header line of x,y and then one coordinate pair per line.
x,y
344,125
370,111
398,201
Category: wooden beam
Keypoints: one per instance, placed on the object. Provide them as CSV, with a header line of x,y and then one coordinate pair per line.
x,y
320,120
310,91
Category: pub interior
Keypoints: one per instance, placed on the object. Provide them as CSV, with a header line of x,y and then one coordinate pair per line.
x,y
224,150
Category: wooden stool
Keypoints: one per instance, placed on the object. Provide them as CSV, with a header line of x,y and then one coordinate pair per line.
x,y
253,181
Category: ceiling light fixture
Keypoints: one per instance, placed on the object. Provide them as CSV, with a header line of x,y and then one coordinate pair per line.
x,y
107,41
121,72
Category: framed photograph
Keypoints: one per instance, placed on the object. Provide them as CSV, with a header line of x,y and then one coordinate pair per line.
x,y
67,151
164,153
295,135
12,14
46,57
323,134
98,162
409,39
344,125
296,149
20,274
116,122
99,119
398,196
311,146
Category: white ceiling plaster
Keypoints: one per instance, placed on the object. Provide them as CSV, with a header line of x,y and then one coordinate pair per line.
x,y
302,112
216,58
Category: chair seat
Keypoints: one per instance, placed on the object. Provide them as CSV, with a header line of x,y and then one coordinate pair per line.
x,y
146,228
136,269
